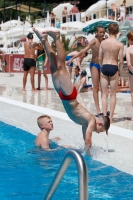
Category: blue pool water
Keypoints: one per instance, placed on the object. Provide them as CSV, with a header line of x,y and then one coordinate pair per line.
x,y
26,172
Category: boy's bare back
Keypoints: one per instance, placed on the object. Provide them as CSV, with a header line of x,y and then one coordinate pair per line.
x,y
111,51
29,53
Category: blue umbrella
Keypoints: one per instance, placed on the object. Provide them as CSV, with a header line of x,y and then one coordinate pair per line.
x,y
91,28
123,37
125,25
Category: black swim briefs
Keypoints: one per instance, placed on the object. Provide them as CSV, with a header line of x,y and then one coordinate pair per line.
x,y
28,63
109,70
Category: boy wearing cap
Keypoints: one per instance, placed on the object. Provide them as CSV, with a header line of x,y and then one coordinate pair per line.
x,y
83,86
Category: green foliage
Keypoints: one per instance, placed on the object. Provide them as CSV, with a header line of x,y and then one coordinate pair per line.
x,y
11,14
66,44
32,19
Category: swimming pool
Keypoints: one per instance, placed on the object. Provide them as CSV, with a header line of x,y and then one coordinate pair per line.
x,y
26,171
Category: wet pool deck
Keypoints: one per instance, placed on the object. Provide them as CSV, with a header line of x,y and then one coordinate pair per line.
x,y
22,109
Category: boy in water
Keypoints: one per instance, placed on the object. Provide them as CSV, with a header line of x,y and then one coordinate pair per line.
x,y
94,45
67,92
46,125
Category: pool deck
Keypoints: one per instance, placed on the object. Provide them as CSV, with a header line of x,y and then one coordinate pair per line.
x,y
22,109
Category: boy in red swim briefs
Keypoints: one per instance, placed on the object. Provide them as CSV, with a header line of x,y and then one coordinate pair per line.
x,y
67,92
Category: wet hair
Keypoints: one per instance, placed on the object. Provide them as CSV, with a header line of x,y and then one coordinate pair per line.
x,y
113,28
83,73
77,67
130,35
100,26
40,118
106,123
30,36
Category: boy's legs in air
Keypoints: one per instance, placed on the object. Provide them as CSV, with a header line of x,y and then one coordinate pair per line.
x,y
60,75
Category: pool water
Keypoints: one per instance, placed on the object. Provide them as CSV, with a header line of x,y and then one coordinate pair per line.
x,y
26,171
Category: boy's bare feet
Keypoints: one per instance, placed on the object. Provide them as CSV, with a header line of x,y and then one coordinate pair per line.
x,y
34,90
42,36
38,88
45,89
55,34
23,90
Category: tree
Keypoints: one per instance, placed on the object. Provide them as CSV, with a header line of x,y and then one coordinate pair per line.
x,y
69,48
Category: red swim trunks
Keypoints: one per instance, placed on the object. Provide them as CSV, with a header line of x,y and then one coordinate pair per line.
x,y
69,97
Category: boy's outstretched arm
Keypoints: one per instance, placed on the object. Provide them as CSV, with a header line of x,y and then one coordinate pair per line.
x,y
89,46
121,63
88,131
100,57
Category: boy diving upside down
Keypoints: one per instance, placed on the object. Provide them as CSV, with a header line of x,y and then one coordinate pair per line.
x,y
67,92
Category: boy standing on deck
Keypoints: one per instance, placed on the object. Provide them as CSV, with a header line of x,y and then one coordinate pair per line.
x,y
94,45
110,51
67,92
29,61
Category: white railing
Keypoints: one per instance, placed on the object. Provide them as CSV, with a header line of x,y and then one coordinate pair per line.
x,y
106,13
102,13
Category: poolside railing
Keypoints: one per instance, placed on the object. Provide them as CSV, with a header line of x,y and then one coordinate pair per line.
x,y
81,16
82,175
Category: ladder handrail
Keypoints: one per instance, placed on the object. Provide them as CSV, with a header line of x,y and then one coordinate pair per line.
x,y
82,175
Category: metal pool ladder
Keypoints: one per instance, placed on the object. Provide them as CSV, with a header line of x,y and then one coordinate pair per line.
x,y
82,175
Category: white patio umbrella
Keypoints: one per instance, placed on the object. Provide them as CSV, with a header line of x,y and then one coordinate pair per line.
x,y
2,33
94,8
75,25
9,24
100,19
58,9
110,2
15,31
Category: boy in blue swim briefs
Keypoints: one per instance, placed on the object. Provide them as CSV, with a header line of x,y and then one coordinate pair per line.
x,y
94,64
67,92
